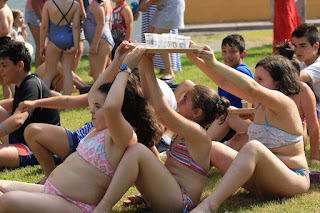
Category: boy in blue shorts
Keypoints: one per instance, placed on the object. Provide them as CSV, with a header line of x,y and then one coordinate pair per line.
x,y
15,66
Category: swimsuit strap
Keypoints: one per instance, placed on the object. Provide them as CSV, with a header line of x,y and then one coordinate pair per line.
x,y
265,118
257,107
265,115
63,15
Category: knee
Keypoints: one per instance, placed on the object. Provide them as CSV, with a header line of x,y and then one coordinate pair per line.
x,y
252,148
31,132
137,150
7,201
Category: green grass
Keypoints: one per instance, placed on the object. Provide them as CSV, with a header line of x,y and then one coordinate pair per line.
x,y
240,201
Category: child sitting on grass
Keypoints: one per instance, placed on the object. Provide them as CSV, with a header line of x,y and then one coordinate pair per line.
x,y
121,117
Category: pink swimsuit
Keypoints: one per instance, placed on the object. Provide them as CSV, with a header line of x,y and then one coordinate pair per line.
x,y
92,150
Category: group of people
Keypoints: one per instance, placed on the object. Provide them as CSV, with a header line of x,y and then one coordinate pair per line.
x,y
135,115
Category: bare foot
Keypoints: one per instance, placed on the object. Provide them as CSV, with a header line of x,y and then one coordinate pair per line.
x,y
167,76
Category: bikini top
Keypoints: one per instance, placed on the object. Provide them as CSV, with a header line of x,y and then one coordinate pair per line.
x,y
92,150
63,15
181,154
270,136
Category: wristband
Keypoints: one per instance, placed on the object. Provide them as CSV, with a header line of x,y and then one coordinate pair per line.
x,y
125,68
4,129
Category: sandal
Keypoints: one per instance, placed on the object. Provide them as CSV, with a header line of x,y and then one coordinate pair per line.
x,y
134,199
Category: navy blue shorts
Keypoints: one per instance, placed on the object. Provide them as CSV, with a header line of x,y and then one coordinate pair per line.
x,y
26,157
73,141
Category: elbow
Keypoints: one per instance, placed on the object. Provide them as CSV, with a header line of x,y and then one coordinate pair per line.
x,y
111,109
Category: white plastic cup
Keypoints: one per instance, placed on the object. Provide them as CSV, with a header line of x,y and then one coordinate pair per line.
x,y
162,41
184,42
174,41
151,40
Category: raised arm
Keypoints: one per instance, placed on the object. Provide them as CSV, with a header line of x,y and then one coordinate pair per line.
x,y
238,83
58,102
191,131
110,73
120,129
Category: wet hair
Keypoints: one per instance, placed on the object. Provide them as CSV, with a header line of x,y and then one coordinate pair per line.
x,y
16,52
16,13
283,71
234,40
286,50
309,31
212,106
138,112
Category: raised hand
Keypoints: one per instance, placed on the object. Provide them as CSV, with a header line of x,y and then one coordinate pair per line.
x,y
122,50
133,58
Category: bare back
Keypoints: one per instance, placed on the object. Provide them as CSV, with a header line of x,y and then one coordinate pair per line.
x,y
6,22
67,8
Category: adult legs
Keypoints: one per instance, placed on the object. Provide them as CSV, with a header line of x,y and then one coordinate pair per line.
x,y
98,61
53,54
35,31
159,186
44,139
270,174
77,57
67,60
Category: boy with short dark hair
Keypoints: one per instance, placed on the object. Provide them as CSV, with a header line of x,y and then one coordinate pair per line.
x,y
15,66
233,51
305,39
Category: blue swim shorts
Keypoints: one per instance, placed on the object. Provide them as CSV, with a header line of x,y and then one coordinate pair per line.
x,y
73,141
26,157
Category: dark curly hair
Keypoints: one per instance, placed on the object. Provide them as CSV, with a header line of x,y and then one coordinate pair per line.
x,y
16,52
212,106
283,71
138,112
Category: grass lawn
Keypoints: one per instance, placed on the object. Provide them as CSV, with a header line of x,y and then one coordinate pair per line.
x,y
241,201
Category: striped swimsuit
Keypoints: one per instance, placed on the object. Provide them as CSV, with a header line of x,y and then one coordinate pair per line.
x,y
181,154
